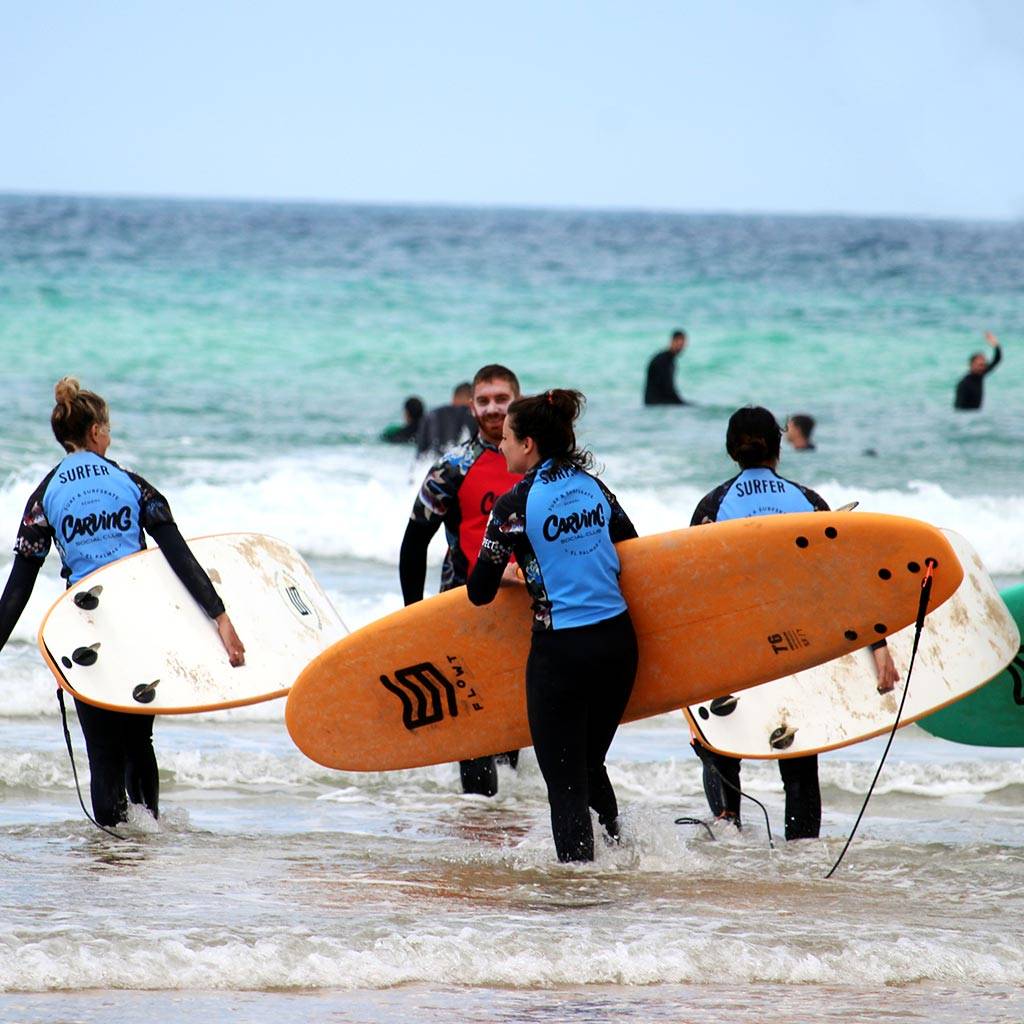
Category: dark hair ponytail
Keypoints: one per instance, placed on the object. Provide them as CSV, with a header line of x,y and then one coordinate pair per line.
x,y
548,418
75,412
753,437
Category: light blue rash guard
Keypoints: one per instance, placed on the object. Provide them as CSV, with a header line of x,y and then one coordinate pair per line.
x,y
562,524
93,510
756,492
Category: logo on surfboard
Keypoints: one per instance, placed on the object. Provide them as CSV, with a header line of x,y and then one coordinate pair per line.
x,y
425,693
788,640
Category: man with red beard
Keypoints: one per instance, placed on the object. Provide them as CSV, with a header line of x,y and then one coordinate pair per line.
x,y
459,491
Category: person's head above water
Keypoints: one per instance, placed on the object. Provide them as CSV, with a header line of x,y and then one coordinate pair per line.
x,y
677,342
494,388
978,363
462,394
541,427
413,410
753,437
799,428
80,419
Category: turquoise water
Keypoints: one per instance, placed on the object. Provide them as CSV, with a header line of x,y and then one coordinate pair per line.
x,y
251,354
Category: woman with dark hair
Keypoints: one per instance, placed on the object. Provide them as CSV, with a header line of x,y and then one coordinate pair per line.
x,y
753,442
95,512
562,524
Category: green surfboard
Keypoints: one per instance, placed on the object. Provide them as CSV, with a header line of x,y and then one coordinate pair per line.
x,y
992,716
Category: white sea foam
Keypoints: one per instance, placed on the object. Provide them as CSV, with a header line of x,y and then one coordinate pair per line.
x,y
340,504
301,958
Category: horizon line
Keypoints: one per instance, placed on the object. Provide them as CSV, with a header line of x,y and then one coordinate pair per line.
x,y
498,206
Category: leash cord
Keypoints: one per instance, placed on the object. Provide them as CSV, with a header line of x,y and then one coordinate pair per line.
x,y
922,609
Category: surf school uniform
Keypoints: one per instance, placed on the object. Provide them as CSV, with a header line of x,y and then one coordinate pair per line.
x,y
562,525
95,512
761,492
458,492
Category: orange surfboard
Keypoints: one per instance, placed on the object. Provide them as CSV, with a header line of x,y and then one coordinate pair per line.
x,y
717,608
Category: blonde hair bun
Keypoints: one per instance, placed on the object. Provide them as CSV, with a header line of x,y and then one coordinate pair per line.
x,y
66,390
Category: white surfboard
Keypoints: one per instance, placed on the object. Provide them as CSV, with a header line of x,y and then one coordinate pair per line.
x,y
965,642
130,637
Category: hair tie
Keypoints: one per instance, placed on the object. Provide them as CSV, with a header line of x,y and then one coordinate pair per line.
x,y
550,397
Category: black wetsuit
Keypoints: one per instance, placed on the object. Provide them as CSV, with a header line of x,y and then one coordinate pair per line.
x,y
562,524
96,512
444,427
661,385
459,491
970,390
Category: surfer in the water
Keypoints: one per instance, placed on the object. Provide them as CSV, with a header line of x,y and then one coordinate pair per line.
x,y
660,388
459,491
562,524
96,513
753,442
970,390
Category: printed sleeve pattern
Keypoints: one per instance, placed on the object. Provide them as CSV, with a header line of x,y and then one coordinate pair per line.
x,y
439,492
506,526
35,533
154,508
620,526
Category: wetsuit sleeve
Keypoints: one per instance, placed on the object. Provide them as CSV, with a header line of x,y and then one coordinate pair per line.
x,y
17,592
997,356
187,568
817,501
507,523
35,533
153,506
412,559
620,526
708,506
438,495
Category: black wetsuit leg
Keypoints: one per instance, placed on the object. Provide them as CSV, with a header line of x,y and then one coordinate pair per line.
x,y
120,750
721,781
479,775
803,796
578,683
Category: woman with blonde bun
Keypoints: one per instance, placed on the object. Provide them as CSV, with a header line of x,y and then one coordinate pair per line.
x,y
562,524
96,513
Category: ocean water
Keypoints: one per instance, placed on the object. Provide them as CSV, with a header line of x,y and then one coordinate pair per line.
x,y
251,353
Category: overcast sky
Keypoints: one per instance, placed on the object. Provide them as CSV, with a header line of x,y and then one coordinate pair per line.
x,y
851,106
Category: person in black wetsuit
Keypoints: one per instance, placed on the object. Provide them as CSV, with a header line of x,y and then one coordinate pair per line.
x,y
661,385
448,425
562,525
95,512
970,390
412,413
753,442
459,492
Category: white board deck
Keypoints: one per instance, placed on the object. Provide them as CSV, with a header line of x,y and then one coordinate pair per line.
x,y
965,642
149,628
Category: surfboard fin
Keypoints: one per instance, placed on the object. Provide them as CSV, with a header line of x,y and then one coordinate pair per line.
x,y
145,692
782,738
87,600
723,706
85,655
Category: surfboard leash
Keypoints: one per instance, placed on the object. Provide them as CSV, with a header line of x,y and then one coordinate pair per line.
x,y
74,770
922,610
701,752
